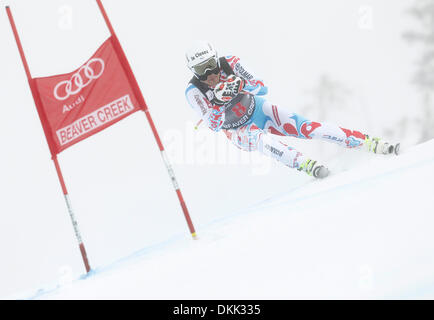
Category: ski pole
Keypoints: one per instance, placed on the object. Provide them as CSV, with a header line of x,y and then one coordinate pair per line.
x,y
198,124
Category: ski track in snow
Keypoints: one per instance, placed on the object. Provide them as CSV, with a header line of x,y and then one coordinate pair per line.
x,y
378,172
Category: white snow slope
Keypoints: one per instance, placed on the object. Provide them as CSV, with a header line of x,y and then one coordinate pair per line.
x,y
361,233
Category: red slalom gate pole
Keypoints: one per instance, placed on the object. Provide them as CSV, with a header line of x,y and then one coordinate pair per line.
x,y
140,98
42,117
72,216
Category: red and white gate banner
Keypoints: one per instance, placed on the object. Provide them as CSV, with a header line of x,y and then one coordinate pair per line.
x,y
87,100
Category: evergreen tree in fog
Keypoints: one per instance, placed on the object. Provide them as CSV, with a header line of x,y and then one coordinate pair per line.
x,y
423,12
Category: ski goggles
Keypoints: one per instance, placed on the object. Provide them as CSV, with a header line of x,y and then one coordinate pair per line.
x,y
203,70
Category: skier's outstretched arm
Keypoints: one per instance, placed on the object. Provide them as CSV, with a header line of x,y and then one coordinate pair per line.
x,y
212,115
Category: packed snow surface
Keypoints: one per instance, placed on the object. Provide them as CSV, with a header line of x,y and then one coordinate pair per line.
x,y
365,232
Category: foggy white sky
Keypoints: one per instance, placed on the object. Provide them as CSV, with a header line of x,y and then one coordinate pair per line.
x,y
119,187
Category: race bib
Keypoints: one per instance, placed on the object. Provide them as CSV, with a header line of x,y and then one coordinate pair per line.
x,y
239,111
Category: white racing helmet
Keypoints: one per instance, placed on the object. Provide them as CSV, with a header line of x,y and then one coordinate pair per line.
x,y
202,59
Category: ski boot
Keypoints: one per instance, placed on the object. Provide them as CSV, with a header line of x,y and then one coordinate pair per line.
x,y
376,145
312,168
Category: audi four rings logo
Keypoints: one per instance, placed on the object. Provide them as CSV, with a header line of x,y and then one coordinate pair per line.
x,y
82,78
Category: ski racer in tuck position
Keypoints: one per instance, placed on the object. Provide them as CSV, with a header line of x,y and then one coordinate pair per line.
x,y
228,97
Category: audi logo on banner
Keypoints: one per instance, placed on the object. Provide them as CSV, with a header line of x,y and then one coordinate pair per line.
x,y
92,70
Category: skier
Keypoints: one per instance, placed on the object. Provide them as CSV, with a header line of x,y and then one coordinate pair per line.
x,y
228,97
